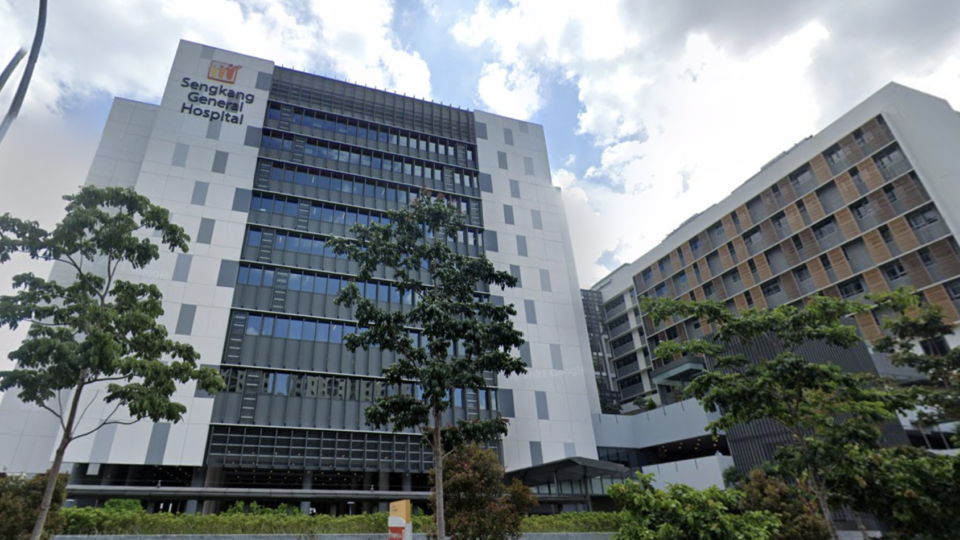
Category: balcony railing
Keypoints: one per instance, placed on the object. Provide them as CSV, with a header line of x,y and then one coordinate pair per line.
x,y
629,369
777,299
828,241
931,231
895,169
624,349
683,370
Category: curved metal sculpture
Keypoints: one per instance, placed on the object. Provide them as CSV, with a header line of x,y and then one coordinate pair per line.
x,y
27,72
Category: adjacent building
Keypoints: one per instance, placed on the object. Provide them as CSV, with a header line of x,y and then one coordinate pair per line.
x,y
869,204
261,164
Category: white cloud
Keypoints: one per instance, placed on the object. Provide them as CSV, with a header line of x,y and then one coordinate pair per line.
x,y
510,90
687,100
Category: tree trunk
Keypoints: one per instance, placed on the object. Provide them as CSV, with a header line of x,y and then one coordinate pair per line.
x,y
438,476
863,528
54,473
822,500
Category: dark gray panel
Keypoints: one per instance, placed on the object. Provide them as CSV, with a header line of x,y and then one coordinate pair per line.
x,y
556,356
180,152
528,166
537,219
263,81
502,159
531,311
185,321
213,129
515,189
181,271
569,449
522,246
508,136
205,234
542,412
536,453
199,196
206,53
508,214
253,136
545,284
241,200
220,162
228,273
505,395
515,272
158,444
481,130
490,241
524,127
525,354
486,183
496,300
102,442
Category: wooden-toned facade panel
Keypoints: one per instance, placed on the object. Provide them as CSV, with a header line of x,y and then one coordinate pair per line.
x,y
938,295
810,245
741,302
657,278
687,253
698,294
740,248
763,267
744,215
946,257
882,209
704,270
868,326
875,135
841,267
847,188
794,219
848,225
875,281
916,272
853,151
876,246
759,301
787,193
820,169
790,252
768,233
725,260
870,174
817,272
903,234
675,263
728,228
745,274
910,191
770,203
789,284
814,208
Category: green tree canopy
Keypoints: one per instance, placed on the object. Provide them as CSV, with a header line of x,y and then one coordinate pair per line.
x,y
819,405
97,331
452,337
681,512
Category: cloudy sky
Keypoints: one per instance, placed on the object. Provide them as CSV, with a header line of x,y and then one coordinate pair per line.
x,y
653,110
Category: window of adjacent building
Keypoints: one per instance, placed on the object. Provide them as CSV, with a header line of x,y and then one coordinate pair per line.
x,y
797,243
749,298
753,237
735,218
894,271
925,257
508,214
508,136
771,288
515,189
935,347
835,154
672,333
708,289
780,221
696,271
825,229
660,290
680,255
953,290
682,278
752,265
851,288
802,273
662,264
733,252
862,209
886,234
735,276
924,217
891,194
855,176
718,230
775,189
801,176
801,207
825,261
647,274
891,157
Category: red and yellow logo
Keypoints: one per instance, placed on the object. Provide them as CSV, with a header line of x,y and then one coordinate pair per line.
x,y
223,72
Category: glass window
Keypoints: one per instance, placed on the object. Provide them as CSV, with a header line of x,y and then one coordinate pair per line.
x,y
293,244
323,332
282,328
253,238
282,381
244,275
320,286
327,215
336,333
267,326
256,275
307,283
339,216
333,285
296,329
253,325
294,283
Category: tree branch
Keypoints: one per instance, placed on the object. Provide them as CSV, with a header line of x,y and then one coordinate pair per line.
x,y
114,422
85,409
59,415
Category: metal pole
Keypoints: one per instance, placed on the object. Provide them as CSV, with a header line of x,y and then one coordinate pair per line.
x,y
27,72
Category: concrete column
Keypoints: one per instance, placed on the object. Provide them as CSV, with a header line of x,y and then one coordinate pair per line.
x,y
384,486
307,485
365,506
407,482
151,507
212,478
198,480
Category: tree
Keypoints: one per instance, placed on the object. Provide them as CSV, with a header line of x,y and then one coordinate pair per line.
x,y
451,336
681,512
915,491
799,517
611,407
817,404
912,325
98,331
478,505
20,499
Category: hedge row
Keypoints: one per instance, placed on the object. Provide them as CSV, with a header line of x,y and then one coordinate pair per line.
x,y
112,522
